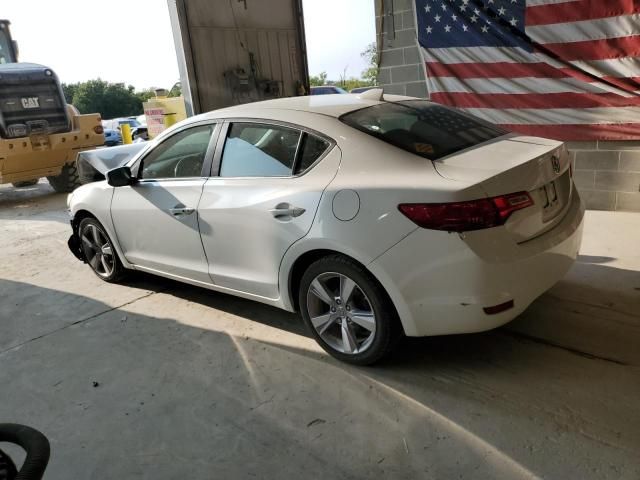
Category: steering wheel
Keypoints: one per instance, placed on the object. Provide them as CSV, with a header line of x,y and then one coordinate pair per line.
x,y
33,442
185,169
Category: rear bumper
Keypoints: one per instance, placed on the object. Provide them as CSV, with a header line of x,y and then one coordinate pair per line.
x,y
25,164
21,159
30,174
440,282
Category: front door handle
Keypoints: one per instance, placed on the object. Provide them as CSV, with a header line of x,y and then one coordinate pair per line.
x,y
181,211
284,211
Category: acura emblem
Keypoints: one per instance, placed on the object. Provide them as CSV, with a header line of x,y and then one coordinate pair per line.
x,y
555,163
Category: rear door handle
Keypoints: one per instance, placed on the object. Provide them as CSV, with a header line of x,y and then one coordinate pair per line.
x,y
284,211
181,211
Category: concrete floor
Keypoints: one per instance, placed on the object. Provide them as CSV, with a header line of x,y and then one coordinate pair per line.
x,y
195,384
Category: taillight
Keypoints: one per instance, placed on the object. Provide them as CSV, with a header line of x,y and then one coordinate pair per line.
x,y
98,129
466,216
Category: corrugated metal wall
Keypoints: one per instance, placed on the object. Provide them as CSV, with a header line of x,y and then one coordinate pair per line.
x,y
219,36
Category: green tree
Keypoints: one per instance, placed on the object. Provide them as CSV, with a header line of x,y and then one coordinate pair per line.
x,y
318,80
176,90
145,95
69,90
110,100
370,54
350,83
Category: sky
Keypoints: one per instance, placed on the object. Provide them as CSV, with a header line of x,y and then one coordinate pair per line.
x,y
130,41
337,31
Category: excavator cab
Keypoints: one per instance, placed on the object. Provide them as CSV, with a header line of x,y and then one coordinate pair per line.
x,y
8,46
40,135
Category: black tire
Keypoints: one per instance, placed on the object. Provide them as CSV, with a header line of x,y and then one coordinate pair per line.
x,y
388,329
8,470
25,183
67,181
93,256
34,443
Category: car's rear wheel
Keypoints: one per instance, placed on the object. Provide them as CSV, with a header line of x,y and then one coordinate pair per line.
x,y
347,310
99,252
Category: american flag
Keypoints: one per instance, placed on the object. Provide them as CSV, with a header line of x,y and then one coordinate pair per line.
x,y
564,69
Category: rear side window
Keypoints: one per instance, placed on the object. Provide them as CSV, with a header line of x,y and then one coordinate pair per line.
x,y
423,128
311,149
259,150
264,150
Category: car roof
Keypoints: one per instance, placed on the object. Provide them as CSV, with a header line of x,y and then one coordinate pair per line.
x,y
332,105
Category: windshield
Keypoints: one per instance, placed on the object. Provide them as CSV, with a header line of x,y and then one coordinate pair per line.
x,y
6,52
424,128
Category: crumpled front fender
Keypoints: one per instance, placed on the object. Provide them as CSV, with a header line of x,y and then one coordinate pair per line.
x,y
94,164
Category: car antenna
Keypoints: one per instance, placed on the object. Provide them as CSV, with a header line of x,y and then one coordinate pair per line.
x,y
372,94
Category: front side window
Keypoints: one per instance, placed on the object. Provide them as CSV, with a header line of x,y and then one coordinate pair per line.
x,y
259,150
423,128
181,155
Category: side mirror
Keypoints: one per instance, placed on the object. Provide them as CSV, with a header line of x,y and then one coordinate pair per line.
x,y
120,177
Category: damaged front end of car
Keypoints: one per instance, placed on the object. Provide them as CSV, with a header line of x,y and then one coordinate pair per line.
x,y
93,165
75,246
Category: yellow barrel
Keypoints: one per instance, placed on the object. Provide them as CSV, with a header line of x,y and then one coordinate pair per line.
x,y
125,129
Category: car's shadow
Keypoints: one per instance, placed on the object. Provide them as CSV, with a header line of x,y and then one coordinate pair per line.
x,y
237,306
550,321
180,383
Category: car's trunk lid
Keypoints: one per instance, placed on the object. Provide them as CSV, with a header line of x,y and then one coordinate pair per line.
x,y
512,164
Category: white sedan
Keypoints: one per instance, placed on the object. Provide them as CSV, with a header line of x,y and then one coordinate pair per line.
x,y
373,216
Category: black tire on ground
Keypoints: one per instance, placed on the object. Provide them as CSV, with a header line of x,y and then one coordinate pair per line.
x,y
68,179
25,183
388,327
85,229
8,469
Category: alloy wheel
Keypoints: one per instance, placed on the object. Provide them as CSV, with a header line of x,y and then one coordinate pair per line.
x,y
98,250
341,313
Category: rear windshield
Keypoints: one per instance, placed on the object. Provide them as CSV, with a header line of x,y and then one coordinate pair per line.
x,y
426,129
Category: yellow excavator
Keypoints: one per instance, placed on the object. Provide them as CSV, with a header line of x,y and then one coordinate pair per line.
x,y
40,135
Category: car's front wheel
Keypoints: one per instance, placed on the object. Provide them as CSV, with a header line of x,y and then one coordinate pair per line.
x,y
347,310
98,251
